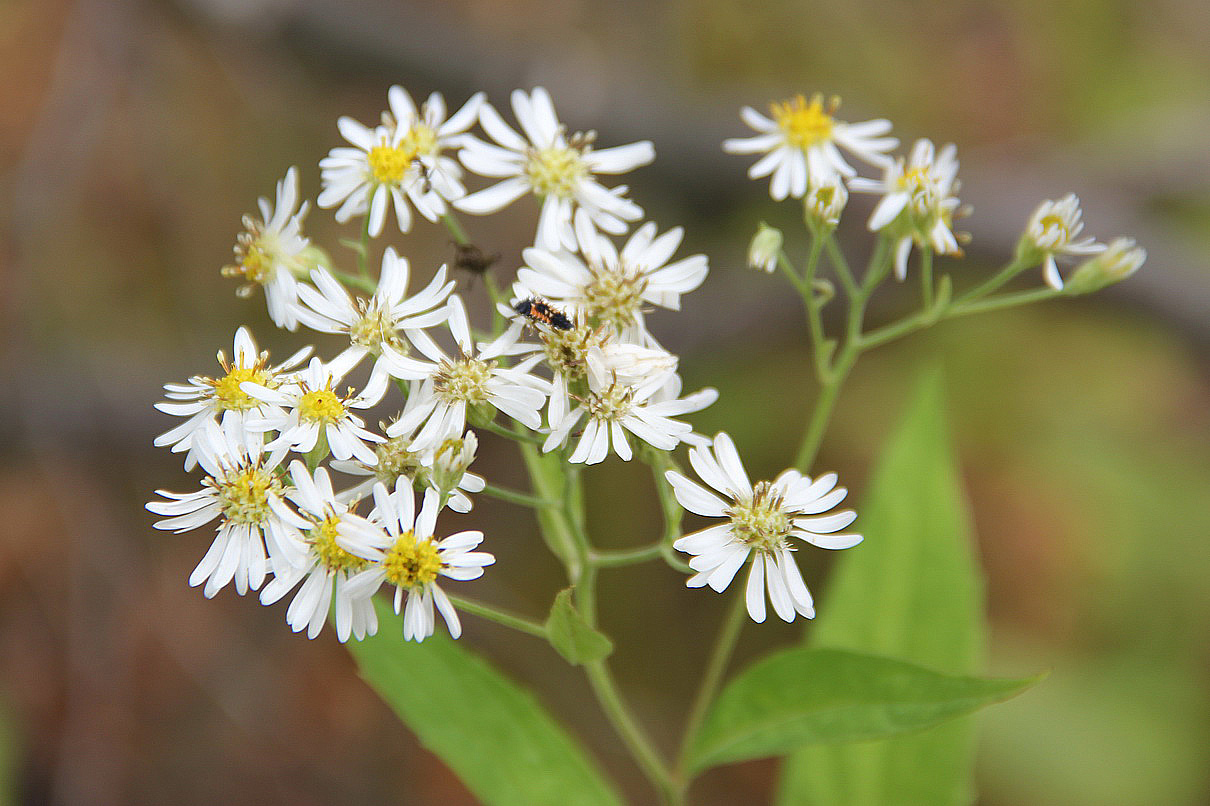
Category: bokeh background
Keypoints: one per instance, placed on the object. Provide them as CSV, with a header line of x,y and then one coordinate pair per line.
x,y
135,133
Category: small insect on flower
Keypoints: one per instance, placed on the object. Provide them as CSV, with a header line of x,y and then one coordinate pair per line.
x,y
541,312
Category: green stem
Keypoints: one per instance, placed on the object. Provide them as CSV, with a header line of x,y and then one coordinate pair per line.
x,y
492,613
517,436
1015,267
352,281
712,678
926,277
841,265
517,497
615,558
1003,301
363,256
455,229
821,348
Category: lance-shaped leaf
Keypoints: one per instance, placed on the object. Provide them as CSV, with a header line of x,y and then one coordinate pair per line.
x,y
799,697
490,731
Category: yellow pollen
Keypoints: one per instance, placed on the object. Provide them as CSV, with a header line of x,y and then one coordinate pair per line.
x,y
228,392
389,163
465,380
374,329
419,140
556,171
611,404
322,538
244,495
322,406
411,564
567,350
614,296
395,460
760,521
805,124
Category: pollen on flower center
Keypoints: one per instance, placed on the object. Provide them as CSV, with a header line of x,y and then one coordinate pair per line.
x,y
615,296
255,255
374,328
322,538
611,404
805,124
227,391
463,380
411,564
567,350
418,140
760,521
556,171
321,405
389,163
244,495
395,460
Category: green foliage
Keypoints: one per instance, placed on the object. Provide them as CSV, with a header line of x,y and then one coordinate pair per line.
x,y
913,590
491,732
802,696
572,636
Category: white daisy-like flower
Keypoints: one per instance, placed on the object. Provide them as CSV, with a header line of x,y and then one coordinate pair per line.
x,y
443,468
1120,259
221,399
243,490
1052,230
761,519
269,253
409,558
611,287
800,144
559,169
398,162
614,408
374,325
309,407
919,199
473,378
326,524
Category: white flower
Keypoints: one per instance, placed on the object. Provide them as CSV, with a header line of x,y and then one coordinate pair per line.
x,y
1052,230
472,379
442,467
613,408
397,162
800,144
269,252
825,202
559,170
765,248
310,406
761,519
918,203
373,325
205,400
325,523
243,490
611,287
409,558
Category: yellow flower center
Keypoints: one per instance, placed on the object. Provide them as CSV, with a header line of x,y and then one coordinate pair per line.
x,y
556,171
611,404
567,350
614,297
395,460
244,494
322,538
228,393
805,124
411,564
465,379
1054,231
322,406
419,140
375,328
389,163
760,521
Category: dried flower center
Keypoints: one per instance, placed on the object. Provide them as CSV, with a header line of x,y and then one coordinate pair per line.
x,y
411,564
805,124
761,521
227,392
321,406
395,460
374,328
614,297
463,380
567,350
611,404
556,171
322,538
244,494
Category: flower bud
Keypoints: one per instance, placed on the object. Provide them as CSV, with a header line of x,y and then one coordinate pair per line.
x,y
765,247
1120,260
824,204
451,460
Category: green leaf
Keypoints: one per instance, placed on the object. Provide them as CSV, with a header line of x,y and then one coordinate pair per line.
x,y
490,731
801,696
912,590
572,636
548,474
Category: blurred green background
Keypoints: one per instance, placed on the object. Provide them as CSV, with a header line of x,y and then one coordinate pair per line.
x,y
133,136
